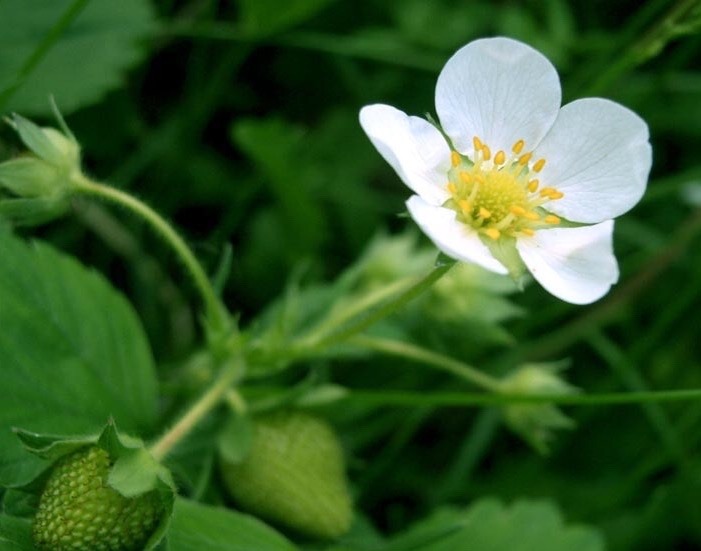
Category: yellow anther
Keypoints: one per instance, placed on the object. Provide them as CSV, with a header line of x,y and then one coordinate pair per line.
x,y
530,215
477,143
493,233
523,159
528,231
533,185
518,147
484,213
452,188
547,192
465,177
486,153
518,210
465,206
551,219
500,157
455,158
556,195
539,164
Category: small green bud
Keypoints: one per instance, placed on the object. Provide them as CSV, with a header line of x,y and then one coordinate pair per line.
x,y
294,475
79,511
39,184
535,422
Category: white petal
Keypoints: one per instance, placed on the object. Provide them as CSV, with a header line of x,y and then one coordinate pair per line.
x,y
414,147
500,90
597,153
452,237
576,265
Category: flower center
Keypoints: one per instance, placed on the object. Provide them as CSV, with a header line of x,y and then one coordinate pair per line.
x,y
500,195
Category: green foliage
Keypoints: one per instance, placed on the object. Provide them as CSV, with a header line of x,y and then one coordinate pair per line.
x,y
262,17
196,526
489,525
238,121
41,42
67,366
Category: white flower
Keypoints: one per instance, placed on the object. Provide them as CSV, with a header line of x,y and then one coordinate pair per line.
x,y
513,180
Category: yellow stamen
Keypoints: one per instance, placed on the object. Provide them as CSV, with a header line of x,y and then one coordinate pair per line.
x,y
493,233
528,231
465,206
477,143
556,195
533,185
530,215
500,157
486,152
484,213
551,219
518,210
455,158
523,159
465,177
518,147
452,188
547,192
538,166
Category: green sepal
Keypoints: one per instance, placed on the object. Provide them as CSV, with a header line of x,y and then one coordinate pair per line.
x,y
28,177
33,212
504,250
50,446
49,144
444,260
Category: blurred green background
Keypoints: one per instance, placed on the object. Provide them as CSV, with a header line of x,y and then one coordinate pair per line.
x,y
237,120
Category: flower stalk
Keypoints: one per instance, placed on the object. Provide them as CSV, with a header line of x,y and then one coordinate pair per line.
x,y
216,314
192,417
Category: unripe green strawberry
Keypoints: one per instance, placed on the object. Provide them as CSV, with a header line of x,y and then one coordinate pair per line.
x,y
294,475
78,511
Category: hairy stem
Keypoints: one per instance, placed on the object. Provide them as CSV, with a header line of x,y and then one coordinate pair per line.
x,y
323,339
192,417
434,359
216,313
465,399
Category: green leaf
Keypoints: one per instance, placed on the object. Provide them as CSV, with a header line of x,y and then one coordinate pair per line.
x,y
15,534
51,446
262,17
195,527
72,351
75,53
490,526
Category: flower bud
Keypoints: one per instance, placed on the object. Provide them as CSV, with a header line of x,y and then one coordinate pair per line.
x,y
535,422
39,183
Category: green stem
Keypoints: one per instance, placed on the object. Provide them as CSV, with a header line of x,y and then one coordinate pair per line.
x,y
434,359
465,399
216,313
651,43
191,418
323,339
